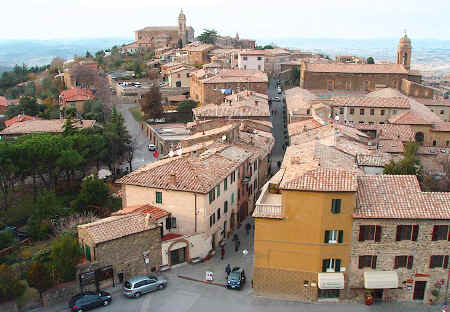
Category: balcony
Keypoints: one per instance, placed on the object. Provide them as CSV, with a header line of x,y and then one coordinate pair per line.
x,y
269,204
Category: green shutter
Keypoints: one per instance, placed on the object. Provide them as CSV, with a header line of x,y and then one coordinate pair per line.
x,y
325,264
232,198
88,252
337,267
338,206
327,236
341,236
218,190
158,197
333,206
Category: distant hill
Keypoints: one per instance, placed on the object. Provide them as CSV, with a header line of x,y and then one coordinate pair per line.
x,y
41,52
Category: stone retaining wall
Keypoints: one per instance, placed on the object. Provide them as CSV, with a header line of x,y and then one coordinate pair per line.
x,y
60,293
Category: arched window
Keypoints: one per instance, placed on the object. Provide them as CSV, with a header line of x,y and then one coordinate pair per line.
x,y
405,58
420,137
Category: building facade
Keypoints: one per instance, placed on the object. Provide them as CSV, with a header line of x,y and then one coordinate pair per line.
x,y
251,59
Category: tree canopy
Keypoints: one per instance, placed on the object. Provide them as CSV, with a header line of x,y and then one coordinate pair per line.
x,y
370,60
186,106
151,103
208,36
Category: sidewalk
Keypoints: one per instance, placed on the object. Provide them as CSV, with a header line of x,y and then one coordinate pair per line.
x,y
197,272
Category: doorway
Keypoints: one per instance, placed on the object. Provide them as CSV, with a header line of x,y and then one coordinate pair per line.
x,y
377,295
419,290
178,256
213,241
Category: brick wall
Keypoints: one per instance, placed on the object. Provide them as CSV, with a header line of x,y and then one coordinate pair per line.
x,y
388,248
411,88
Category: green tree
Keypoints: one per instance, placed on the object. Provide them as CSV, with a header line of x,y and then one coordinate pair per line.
x,y
208,36
151,103
9,170
186,106
370,60
408,165
65,255
46,206
94,191
10,286
69,127
88,54
39,277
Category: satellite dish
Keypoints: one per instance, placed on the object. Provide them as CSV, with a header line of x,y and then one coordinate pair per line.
x,y
180,152
336,118
224,138
171,153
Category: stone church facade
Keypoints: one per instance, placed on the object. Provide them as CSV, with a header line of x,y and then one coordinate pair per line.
x,y
165,36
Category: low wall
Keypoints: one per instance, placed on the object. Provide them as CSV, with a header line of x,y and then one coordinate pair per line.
x,y
60,293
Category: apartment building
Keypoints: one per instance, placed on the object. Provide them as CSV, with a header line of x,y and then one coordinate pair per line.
x,y
251,59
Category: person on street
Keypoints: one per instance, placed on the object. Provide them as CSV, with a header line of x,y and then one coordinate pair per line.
x,y
222,252
228,269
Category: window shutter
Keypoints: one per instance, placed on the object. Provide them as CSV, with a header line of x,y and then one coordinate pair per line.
x,y
325,264
337,267
445,262
431,262
374,262
396,263
410,262
397,235
173,222
340,236
338,206
433,235
378,233
361,233
415,232
333,206
168,223
360,262
327,236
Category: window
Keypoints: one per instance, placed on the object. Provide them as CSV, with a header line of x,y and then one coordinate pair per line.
x,y
334,236
259,58
447,143
331,265
239,194
370,232
187,75
255,165
440,232
403,262
245,58
348,84
218,190
438,262
245,66
239,172
225,184
434,142
308,111
382,112
212,195
371,123
367,262
361,111
259,67
232,198
330,84
352,111
225,206
171,222
212,220
336,205
372,111
442,112
407,232
218,214
159,197
233,177
178,75
394,112
341,111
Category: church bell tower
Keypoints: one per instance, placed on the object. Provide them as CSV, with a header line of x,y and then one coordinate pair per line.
x,y
404,52
182,32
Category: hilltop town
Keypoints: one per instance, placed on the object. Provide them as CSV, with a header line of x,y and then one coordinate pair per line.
x,y
157,163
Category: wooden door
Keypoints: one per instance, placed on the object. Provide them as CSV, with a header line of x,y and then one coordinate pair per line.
x,y
419,290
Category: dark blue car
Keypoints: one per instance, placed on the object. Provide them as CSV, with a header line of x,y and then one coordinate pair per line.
x,y
236,278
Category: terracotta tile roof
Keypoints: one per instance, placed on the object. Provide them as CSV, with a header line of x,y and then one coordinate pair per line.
x,y
403,133
409,118
391,102
357,68
192,174
42,126
114,227
154,212
398,197
377,160
323,180
441,127
195,47
391,146
235,110
251,52
434,102
3,101
303,126
76,94
19,118
237,75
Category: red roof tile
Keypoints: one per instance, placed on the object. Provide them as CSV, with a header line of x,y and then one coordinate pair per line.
x,y
399,197
154,212
19,118
390,102
76,94
356,68
441,127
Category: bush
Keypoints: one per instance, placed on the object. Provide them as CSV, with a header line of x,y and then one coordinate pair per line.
x,y
10,286
6,239
65,255
39,276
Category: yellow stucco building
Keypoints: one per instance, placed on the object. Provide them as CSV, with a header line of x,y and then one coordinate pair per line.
x,y
303,230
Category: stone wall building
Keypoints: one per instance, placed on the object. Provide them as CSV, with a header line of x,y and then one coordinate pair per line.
x,y
400,240
198,53
122,241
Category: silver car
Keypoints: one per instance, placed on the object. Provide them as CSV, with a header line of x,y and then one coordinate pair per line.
x,y
139,285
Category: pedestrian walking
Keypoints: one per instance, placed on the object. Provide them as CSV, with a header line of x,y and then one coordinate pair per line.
x,y
228,269
222,252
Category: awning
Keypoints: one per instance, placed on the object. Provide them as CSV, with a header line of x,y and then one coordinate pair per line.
x,y
380,279
331,280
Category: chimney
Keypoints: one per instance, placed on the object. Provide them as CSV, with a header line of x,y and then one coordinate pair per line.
x,y
148,219
173,178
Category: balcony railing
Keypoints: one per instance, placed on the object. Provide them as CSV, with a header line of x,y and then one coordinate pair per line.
x,y
268,205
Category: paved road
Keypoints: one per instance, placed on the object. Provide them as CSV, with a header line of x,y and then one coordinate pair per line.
x,y
142,156
278,130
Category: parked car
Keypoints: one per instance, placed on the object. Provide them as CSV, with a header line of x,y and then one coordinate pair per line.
x,y
152,147
139,285
89,300
236,278
277,99
279,90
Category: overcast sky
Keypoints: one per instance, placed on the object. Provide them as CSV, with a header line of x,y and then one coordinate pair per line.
x,y
47,19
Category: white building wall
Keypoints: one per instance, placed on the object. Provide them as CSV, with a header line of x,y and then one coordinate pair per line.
x,y
252,62
199,246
